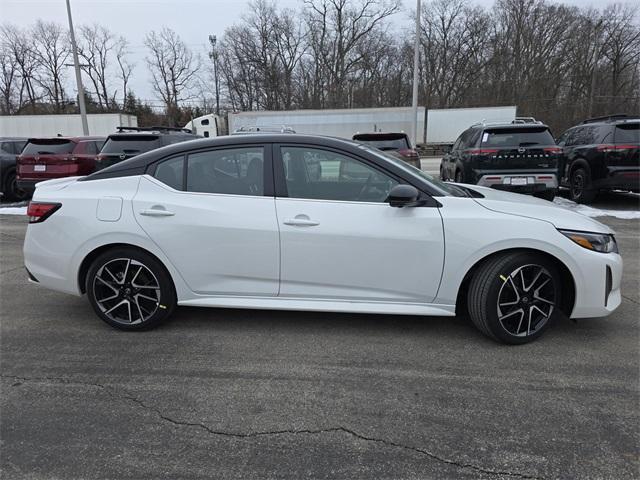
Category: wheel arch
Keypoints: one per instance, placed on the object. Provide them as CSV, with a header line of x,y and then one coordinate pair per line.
x,y
577,163
568,296
96,252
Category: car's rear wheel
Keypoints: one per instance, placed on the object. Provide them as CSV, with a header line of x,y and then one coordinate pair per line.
x,y
580,186
459,176
442,174
130,290
11,189
513,297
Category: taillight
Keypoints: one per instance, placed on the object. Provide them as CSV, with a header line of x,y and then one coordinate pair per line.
x,y
408,152
40,211
613,148
482,151
552,150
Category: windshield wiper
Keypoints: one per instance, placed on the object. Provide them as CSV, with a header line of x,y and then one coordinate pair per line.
x,y
527,144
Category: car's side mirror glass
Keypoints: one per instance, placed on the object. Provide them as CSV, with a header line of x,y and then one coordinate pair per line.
x,y
404,196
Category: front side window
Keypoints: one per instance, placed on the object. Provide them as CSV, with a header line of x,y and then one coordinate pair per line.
x,y
327,175
233,171
170,172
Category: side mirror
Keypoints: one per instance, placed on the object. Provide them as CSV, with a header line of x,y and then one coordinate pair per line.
x,y
404,196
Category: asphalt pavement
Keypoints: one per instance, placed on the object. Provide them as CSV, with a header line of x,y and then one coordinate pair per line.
x,y
221,393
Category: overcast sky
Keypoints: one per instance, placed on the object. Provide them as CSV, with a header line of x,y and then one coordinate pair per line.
x,y
193,20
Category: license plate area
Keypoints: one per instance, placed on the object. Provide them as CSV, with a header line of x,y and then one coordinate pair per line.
x,y
39,168
518,180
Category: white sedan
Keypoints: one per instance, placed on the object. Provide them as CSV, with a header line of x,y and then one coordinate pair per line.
x,y
301,222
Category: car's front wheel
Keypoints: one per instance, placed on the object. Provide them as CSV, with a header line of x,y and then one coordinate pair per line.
x,y
514,296
130,290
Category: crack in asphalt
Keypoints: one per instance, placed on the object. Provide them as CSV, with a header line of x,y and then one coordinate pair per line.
x,y
631,299
123,394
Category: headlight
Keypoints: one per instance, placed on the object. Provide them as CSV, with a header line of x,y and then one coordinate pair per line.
x,y
599,242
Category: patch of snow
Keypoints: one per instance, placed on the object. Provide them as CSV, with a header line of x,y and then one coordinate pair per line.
x,y
596,212
13,210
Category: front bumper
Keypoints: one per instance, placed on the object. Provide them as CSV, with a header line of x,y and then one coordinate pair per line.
x,y
598,285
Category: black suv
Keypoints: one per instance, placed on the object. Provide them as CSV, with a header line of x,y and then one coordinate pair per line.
x,y
601,154
132,141
10,148
520,156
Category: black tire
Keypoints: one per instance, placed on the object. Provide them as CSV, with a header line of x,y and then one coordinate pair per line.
x,y
494,282
459,176
443,177
11,190
548,195
148,296
580,186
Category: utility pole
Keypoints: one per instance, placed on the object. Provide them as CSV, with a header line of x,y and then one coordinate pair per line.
x,y
76,64
416,61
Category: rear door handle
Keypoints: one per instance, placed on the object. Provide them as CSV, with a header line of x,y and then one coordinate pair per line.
x,y
156,212
301,221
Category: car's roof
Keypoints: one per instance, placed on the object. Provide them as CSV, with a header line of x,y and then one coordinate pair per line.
x,y
516,126
71,139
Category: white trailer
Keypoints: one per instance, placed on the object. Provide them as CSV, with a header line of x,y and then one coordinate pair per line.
x,y
445,125
63,124
337,123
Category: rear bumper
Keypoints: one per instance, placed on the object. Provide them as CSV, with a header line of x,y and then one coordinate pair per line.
x,y
536,182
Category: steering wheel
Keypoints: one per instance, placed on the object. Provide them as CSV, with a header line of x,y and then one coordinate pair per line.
x,y
366,185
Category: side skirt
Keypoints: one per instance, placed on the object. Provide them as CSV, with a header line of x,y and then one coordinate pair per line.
x,y
320,305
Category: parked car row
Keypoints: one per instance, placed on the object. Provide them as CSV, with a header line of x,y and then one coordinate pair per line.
x,y
26,162
522,156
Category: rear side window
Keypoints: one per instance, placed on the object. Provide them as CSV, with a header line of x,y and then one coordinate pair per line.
x,y
233,171
131,144
627,133
48,147
517,137
89,147
170,172
6,147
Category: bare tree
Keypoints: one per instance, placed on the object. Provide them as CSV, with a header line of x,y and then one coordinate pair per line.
x,y
174,68
17,45
124,67
335,28
52,50
96,47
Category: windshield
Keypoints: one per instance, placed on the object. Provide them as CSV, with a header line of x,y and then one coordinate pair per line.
x,y
48,147
517,137
131,144
444,189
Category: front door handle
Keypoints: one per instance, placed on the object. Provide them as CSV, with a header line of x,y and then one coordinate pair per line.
x,y
301,221
156,212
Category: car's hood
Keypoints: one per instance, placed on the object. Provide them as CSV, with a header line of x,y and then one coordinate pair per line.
x,y
532,207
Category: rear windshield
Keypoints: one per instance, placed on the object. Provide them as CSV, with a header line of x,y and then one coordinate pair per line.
x,y
131,144
48,146
627,133
517,137
384,142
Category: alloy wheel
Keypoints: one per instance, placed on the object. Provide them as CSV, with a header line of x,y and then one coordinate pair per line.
x,y
577,185
126,291
526,300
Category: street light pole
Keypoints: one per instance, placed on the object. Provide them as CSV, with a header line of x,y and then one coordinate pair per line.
x,y
76,64
416,60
